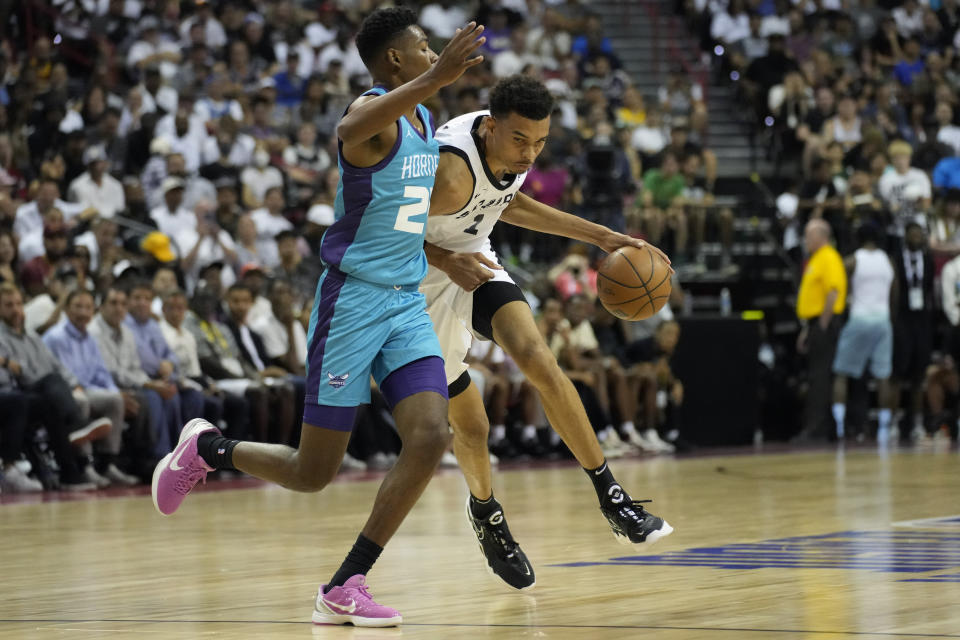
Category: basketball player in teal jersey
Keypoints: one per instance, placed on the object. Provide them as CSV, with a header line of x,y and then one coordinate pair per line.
x,y
368,317
484,159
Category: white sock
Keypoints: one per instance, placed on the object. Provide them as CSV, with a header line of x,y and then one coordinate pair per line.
x,y
628,427
529,432
604,433
839,413
883,418
498,432
918,422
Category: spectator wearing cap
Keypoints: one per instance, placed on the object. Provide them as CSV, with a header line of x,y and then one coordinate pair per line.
x,y
158,247
195,188
157,359
172,216
906,191
302,273
30,216
153,48
228,210
259,179
95,188
71,343
206,243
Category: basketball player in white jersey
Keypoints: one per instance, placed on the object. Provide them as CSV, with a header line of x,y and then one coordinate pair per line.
x,y
484,158
868,334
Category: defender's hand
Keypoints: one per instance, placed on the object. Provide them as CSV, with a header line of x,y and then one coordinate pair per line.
x,y
469,270
455,57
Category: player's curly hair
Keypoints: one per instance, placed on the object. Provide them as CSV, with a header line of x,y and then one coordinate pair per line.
x,y
379,29
522,95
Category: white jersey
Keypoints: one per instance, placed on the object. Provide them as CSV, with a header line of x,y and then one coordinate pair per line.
x,y
870,284
468,230
464,231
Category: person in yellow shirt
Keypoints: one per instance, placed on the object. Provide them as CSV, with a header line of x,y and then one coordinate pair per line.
x,y
821,300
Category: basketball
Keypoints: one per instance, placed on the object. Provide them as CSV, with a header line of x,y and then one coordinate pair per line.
x,y
634,284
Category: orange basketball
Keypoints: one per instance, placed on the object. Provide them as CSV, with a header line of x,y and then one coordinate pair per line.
x,y
634,283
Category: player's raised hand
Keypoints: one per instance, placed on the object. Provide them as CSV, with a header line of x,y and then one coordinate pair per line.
x,y
456,56
614,241
469,270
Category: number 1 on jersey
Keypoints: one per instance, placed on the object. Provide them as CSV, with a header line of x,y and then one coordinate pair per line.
x,y
472,229
407,211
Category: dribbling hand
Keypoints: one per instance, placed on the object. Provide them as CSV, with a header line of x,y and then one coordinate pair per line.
x,y
455,57
615,240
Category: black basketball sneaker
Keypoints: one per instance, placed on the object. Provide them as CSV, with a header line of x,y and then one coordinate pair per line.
x,y
503,555
631,523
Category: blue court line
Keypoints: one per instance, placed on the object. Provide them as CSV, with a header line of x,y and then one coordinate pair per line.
x,y
884,634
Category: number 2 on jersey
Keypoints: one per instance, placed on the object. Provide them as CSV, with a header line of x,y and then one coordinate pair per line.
x,y
472,229
407,211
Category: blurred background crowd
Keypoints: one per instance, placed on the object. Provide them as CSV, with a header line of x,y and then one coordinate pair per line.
x,y
168,167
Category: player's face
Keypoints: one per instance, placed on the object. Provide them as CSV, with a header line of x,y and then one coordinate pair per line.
x,y
515,141
414,53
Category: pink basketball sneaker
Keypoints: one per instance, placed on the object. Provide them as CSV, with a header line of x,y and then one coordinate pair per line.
x,y
181,469
353,604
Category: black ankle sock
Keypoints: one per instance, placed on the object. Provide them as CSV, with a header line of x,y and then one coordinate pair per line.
x,y
361,557
601,478
481,509
216,450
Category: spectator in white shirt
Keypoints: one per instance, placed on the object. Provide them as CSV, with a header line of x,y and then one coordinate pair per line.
x,y
731,25
949,133
906,191
269,219
172,217
344,50
216,105
513,60
95,188
186,134
204,244
284,338
909,18
153,48
950,291
29,216
443,18
251,250
213,33
259,178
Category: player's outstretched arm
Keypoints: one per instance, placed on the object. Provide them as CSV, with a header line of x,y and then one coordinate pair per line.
x,y
369,117
526,212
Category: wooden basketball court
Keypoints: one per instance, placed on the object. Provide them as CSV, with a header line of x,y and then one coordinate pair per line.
x,y
780,545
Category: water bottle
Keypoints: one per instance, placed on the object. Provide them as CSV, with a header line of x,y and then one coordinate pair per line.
x,y
725,302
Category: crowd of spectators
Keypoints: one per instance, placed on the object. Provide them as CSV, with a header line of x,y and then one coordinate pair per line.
x,y
856,102
167,170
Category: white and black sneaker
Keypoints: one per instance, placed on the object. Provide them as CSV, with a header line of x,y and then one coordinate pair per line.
x,y
503,555
631,523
